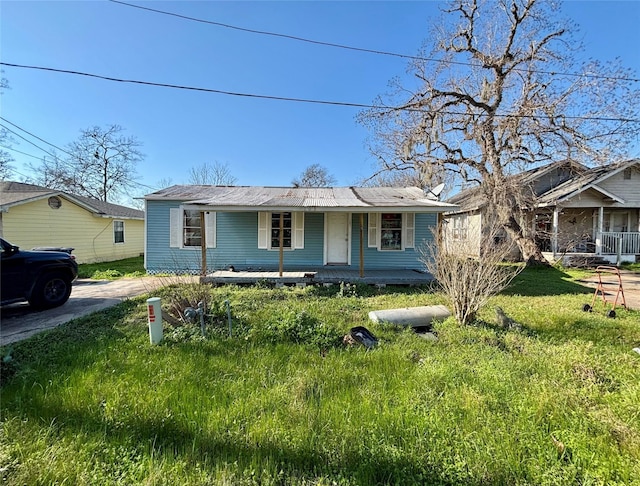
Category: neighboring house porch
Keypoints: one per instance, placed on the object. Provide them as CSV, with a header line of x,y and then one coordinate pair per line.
x,y
577,211
594,231
597,213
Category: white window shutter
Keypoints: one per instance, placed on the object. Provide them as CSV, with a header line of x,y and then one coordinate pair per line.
x,y
263,229
175,228
372,234
298,233
409,228
210,228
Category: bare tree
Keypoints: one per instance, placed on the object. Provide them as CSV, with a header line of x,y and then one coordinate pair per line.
x,y
6,170
314,176
164,182
101,164
501,90
216,174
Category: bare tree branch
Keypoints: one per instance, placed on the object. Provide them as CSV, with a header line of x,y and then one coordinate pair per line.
x,y
500,102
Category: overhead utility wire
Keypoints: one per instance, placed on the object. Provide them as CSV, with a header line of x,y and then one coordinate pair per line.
x,y
359,49
48,143
20,152
190,88
283,98
34,136
27,140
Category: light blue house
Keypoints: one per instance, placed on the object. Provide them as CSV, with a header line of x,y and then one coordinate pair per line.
x,y
262,228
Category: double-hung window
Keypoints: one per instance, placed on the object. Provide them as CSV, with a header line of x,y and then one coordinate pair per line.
x,y
460,227
186,228
286,230
391,231
191,233
118,231
269,230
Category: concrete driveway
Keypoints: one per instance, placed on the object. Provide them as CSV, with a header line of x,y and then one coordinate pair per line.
x,y
20,321
610,283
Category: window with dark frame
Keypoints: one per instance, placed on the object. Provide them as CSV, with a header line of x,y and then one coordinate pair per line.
x,y
191,233
286,232
118,231
391,231
627,174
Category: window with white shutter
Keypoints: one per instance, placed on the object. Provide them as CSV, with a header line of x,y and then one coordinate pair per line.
x,y
391,231
372,233
185,229
269,230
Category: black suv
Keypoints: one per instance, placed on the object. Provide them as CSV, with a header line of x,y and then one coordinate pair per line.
x,y
41,277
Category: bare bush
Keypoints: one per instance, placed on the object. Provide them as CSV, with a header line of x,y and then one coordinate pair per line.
x,y
469,282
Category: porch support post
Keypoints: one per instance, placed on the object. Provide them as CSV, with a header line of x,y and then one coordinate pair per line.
x,y
599,234
361,245
203,244
281,243
554,231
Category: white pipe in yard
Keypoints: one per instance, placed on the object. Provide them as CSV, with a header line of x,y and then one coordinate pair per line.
x,y
155,320
411,316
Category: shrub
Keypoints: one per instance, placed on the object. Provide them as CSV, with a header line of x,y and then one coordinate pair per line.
x,y
469,281
297,328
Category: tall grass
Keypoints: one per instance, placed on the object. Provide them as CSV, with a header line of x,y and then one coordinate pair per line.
x,y
554,403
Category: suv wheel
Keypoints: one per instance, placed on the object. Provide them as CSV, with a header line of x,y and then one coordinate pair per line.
x,y
51,290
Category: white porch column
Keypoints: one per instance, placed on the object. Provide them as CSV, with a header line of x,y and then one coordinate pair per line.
x,y
554,233
599,234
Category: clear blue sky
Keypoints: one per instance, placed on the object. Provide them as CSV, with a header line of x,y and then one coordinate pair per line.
x,y
264,142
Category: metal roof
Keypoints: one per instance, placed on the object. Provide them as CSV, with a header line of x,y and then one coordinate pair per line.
x,y
359,199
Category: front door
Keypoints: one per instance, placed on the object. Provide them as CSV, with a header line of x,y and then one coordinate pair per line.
x,y
337,231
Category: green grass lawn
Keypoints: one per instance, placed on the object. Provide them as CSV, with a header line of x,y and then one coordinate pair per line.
x,y
281,402
129,267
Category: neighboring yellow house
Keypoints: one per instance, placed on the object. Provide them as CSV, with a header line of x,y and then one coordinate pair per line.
x,y
34,216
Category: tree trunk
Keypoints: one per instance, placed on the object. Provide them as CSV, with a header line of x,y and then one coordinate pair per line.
x,y
530,252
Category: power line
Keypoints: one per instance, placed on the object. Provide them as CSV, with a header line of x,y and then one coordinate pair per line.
x,y
27,140
191,88
284,98
20,152
358,49
48,143
34,136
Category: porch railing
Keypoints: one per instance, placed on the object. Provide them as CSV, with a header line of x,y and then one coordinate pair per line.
x,y
624,242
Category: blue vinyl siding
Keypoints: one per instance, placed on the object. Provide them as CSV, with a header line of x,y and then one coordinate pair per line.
x,y
377,260
237,244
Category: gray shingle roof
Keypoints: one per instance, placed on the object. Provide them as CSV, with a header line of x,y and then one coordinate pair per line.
x,y
581,182
583,177
353,198
15,193
473,198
